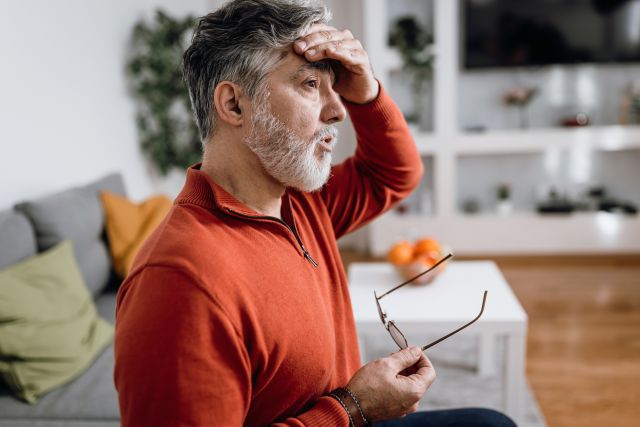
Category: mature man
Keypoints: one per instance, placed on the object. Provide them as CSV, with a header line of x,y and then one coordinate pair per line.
x,y
237,311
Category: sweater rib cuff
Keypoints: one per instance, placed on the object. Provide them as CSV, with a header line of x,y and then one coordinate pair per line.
x,y
382,107
326,412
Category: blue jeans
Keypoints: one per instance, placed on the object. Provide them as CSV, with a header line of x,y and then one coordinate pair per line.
x,y
466,417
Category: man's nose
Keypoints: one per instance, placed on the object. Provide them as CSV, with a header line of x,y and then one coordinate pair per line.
x,y
333,110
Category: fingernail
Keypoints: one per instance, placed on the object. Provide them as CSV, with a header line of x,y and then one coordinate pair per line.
x,y
416,351
311,52
301,44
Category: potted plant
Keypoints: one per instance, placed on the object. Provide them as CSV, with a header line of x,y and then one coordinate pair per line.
x,y
167,131
520,97
503,193
415,45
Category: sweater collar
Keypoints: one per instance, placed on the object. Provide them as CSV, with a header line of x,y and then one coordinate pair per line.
x,y
200,189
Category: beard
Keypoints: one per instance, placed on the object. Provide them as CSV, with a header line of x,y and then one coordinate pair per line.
x,y
293,161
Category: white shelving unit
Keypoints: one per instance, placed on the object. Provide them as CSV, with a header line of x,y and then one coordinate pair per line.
x,y
519,233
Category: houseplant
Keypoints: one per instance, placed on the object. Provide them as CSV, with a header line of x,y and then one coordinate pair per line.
x,y
415,45
168,134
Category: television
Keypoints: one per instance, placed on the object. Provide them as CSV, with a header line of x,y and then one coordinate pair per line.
x,y
521,33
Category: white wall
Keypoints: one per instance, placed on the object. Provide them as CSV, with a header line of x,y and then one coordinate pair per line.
x,y
66,116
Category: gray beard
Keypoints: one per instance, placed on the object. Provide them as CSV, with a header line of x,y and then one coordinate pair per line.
x,y
292,161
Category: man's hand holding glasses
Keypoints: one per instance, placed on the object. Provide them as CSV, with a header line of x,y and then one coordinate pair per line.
x,y
392,386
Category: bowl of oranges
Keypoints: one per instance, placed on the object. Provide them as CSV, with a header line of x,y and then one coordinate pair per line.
x,y
411,259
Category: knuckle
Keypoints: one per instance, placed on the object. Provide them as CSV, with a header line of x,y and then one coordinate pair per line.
x,y
385,363
416,395
327,34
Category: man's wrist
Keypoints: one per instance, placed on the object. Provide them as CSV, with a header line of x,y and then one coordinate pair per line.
x,y
368,97
351,405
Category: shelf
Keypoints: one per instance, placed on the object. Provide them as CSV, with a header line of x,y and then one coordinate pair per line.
x,y
519,233
602,138
570,158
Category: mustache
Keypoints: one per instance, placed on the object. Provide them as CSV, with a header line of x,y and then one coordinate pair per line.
x,y
330,130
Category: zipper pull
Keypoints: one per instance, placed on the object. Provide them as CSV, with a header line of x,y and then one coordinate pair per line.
x,y
308,256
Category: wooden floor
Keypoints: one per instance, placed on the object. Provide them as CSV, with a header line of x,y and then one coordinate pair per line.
x,y
583,355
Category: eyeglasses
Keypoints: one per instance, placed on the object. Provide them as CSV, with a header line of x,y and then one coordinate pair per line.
x,y
395,332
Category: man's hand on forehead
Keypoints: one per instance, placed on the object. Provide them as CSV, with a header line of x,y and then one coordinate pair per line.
x,y
355,81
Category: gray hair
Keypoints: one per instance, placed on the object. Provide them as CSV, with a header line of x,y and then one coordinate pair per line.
x,y
242,42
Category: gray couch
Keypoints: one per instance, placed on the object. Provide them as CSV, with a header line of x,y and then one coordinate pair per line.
x,y
34,226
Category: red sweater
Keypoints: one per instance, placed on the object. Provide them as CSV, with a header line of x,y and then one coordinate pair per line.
x,y
225,321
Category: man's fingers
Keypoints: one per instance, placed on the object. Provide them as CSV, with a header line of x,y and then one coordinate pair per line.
x,y
424,371
319,36
349,48
403,359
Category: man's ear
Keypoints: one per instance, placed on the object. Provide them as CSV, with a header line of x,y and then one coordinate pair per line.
x,y
226,98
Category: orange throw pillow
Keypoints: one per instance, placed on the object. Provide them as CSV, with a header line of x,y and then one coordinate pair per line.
x,y
129,224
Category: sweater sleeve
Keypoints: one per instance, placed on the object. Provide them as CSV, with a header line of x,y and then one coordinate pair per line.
x,y
179,361
385,168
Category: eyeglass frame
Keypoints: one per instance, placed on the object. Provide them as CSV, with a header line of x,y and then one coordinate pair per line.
x,y
388,324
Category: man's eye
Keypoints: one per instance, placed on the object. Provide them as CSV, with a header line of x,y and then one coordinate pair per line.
x,y
312,83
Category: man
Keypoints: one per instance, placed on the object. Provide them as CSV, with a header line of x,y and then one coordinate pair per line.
x,y
237,310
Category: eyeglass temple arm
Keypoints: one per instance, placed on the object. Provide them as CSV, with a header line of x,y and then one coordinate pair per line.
x,y
415,277
484,299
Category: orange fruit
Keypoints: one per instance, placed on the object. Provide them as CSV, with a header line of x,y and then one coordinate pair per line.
x,y
427,246
400,253
424,260
415,267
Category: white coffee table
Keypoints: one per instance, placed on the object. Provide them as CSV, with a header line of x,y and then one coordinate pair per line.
x,y
451,300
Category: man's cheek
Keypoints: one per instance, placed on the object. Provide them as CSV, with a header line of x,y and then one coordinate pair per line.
x,y
306,126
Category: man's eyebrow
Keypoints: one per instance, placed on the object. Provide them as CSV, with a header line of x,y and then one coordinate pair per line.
x,y
322,66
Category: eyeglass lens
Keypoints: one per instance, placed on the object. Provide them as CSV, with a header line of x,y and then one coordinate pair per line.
x,y
397,336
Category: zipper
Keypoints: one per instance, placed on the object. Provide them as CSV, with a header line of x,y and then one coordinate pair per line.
x,y
306,253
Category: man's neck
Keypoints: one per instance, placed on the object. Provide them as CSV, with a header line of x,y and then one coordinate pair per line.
x,y
234,167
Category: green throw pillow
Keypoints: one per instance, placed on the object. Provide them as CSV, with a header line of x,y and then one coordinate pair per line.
x,y
50,331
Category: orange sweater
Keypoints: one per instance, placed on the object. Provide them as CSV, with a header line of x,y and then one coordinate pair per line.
x,y
224,320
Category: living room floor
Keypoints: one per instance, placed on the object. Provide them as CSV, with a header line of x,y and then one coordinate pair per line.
x,y
584,334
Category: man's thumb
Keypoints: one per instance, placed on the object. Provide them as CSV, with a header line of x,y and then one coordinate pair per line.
x,y
405,358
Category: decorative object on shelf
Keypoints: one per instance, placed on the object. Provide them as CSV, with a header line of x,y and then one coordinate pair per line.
x,y
504,205
520,97
618,206
415,45
576,120
635,103
556,204
598,200
168,133
595,195
630,106
471,206
410,259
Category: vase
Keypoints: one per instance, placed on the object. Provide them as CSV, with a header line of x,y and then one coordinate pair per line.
x,y
523,116
504,207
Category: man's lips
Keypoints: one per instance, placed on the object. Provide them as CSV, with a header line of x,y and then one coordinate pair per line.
x,y
326,143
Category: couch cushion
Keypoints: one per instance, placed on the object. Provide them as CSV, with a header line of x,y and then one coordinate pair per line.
x,y
76,214
90,397
128,225
17,240
50,331
89,400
